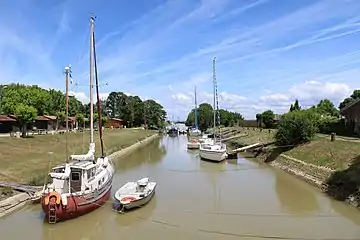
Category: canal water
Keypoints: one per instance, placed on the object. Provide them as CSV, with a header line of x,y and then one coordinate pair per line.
x,y
236,199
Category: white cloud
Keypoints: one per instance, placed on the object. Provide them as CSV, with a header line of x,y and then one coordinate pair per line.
x,y
164,52
308,93
83,97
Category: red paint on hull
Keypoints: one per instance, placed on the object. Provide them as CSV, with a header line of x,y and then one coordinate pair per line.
x,y
76,206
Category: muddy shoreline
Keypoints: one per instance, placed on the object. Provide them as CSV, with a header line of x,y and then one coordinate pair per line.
x,y
312,174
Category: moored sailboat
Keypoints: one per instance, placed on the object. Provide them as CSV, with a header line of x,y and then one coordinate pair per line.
x,y
195,131
194,143
84,183
214,150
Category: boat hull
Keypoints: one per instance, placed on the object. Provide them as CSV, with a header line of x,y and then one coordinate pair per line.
x,y
194,134
77,205
135,204
192,145
216,156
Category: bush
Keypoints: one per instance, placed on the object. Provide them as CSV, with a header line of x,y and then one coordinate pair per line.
x,y
296,127
328,125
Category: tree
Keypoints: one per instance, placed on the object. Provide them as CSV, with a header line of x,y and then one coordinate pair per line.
x,y
326,108
60,118
295,106
227,118
268,118
154,114
296,127
52,102
25,114
190,120
80,119
353,97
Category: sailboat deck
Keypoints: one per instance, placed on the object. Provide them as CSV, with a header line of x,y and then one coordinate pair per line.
x,y
78,164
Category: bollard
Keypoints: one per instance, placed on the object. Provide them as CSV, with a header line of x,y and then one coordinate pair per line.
x,y
332,136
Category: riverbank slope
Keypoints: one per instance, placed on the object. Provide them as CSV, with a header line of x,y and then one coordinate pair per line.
x,y
333,166
28,160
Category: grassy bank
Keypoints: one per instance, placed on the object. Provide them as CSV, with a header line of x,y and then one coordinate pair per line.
x,y
28,160
335,165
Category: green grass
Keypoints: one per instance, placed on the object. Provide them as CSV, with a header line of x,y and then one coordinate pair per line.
x,y
27,160
320,151
254,135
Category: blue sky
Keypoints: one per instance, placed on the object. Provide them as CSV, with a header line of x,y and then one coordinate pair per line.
x,y
269,52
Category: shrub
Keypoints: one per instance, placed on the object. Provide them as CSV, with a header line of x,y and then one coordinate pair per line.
x,y
328,124
297,127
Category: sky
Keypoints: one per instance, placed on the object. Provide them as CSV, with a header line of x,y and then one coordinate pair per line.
x,y
269,52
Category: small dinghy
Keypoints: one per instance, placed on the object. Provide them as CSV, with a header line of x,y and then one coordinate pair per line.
x,y
134,194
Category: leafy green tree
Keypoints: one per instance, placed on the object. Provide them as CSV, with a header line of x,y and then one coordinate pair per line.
x,y
326,108
296,127
75,106
268,118
353,97
227,118
190,120
154,114
206,116
80,119
25,114
60,119
295,106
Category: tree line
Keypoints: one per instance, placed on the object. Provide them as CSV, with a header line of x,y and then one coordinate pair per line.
x,y
27,102
206,117
300,125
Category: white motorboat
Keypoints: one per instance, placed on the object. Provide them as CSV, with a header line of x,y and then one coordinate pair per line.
x,y
134,194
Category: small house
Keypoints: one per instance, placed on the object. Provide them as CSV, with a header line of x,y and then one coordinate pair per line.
x,y
114,123
351,113
7,124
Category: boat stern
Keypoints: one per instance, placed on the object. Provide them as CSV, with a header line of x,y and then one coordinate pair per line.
x,y
52,206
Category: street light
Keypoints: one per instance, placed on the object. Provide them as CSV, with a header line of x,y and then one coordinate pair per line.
x,y
1,95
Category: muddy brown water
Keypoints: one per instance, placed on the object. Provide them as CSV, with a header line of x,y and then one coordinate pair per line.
x,y
236,199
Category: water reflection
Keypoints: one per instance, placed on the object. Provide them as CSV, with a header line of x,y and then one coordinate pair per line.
x,y
143,156
295,196
193,152
212,173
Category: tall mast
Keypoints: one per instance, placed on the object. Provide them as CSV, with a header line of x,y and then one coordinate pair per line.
x,y
217,108
67,72
90,76
196,113
214,83
98,99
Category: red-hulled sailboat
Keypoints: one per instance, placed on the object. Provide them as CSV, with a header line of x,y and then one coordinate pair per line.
x,y
83,183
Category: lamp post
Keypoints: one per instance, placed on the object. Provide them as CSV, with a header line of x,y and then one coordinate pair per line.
x,y
1,96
